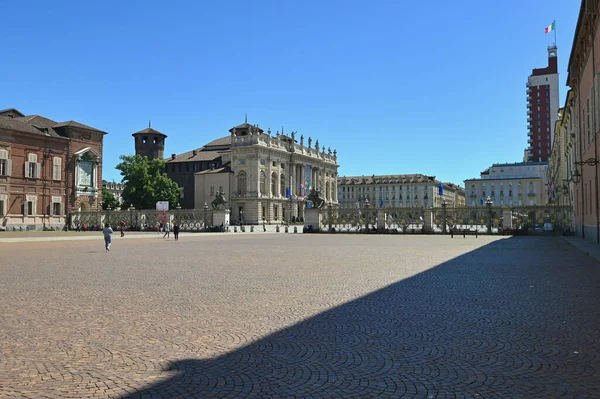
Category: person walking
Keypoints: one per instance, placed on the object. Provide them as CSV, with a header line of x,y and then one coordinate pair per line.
x,y
176,231
166,231
107,236
122,228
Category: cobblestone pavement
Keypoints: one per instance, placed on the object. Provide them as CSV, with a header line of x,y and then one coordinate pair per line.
x,y
300,316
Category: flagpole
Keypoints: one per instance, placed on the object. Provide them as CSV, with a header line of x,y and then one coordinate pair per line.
x,y
554,33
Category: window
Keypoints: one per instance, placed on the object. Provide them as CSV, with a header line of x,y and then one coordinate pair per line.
x,y
196,167
5,163
262,162
275,209
241,182
173,168
274,163
242,161
263,212
263,188
56,168
29,207
56,206
282,166
187,167
212,191
32,167
3,204
179,167
155,140
144,139
282,186
274,184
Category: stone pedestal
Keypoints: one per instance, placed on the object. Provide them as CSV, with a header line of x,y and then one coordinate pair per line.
x,y
312,216
507,219
381,215
221,217
427,221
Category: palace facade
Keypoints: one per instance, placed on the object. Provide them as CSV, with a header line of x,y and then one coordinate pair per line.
x,y
47,170
264,177
404,191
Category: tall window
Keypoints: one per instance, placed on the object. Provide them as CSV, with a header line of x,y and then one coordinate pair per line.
x,y
56,207
263,186
282,186
29,206
3,204
56,168
5,163
241,182
32,167
274,184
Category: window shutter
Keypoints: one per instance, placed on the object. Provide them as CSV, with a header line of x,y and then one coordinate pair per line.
x,y
56,171
27,169
32,158
38,170
34,207
9,167
3,154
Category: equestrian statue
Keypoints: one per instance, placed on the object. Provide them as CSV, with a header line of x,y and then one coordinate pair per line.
x,y
219,200
314,197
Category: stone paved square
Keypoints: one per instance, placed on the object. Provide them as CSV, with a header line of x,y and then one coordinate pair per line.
x,y
299,316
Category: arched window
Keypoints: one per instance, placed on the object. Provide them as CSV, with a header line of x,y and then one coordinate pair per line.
x,y
274,184
263,187
241,182
327,192
282,186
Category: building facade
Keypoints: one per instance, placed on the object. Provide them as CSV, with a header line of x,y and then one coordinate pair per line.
x,y
265,179
584,122
413,190
115,189
510,184
47,170
542,108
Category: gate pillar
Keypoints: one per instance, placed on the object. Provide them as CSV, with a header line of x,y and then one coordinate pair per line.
x,y
507,219
381,216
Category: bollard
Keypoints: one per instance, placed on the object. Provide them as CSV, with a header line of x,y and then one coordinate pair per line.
x,y
277,229
286,229
235,229
295,229
252,229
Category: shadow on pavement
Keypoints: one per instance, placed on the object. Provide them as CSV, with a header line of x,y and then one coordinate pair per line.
x,y
510,319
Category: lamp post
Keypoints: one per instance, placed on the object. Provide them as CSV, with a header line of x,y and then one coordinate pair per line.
x,y
444,215
489,203
205,209
366,215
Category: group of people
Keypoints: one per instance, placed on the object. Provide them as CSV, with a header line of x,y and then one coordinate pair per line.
x,y
108,232
166,229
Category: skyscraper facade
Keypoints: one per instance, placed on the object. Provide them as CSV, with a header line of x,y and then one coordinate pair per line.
x,y
542,108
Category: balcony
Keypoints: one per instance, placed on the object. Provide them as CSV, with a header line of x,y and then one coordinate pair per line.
x,y
528,91
529,119
529,126
529,112
530,141
530,133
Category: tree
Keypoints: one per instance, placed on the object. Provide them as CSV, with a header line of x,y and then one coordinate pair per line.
x,y
146,183
109,199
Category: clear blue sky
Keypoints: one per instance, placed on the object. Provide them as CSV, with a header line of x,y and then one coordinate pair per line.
x,y
432,87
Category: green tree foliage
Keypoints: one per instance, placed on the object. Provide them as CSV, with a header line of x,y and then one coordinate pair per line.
x,y
146,183
109,200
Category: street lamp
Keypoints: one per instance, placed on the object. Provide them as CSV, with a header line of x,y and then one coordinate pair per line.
x,y
489,203
205,208
444,215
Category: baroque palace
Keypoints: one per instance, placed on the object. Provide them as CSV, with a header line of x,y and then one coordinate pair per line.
x,y
47,170
264,177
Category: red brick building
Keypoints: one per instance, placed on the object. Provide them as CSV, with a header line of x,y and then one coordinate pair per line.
x,y
47,170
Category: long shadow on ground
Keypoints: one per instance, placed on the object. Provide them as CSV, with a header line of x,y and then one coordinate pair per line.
x,y
509,320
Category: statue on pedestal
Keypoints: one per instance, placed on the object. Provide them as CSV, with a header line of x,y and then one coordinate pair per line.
x,y
309,142
219,200
302,140
314,196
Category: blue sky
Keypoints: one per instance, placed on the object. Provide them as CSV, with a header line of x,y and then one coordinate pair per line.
x,y
430,87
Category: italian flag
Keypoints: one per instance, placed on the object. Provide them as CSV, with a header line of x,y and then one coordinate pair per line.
x,y
550,28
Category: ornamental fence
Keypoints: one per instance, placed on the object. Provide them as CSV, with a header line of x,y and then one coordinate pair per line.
x,y
189,220
488,219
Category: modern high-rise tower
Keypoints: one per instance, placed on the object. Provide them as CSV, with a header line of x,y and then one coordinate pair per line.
x,y
542,108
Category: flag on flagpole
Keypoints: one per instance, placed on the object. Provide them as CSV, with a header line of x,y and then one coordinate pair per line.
x,y
550,28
